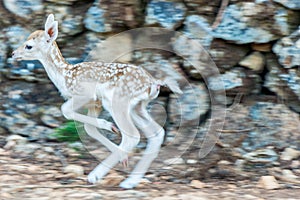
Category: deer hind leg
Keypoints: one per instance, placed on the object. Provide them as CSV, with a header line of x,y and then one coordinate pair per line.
x,y
155,135
130,138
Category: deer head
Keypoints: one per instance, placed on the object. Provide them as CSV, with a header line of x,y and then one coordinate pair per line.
x,y
37,45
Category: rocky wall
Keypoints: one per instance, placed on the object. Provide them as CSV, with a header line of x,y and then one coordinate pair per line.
x,y
254,43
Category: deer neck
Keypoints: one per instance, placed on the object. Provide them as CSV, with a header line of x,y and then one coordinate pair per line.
x,y
54,59
56,66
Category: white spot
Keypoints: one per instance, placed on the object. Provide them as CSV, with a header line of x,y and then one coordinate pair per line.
x,y
69,80
120,65
130,84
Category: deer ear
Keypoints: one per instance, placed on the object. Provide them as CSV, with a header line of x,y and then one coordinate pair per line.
x,y
51,28
49,21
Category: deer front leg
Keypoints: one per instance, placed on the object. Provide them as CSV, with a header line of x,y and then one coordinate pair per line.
x,y
70,107
130,138
94,133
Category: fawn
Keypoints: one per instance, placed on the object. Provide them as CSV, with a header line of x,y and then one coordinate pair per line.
x,y
124,90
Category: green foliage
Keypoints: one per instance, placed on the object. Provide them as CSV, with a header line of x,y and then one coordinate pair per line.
x,y
67,132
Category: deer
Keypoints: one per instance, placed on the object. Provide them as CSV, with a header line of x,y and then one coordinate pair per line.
x,y
124,90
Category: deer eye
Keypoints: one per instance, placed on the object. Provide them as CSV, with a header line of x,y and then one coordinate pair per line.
x,y
28,47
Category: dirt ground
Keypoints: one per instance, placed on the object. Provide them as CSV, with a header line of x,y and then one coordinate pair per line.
x,y
27,176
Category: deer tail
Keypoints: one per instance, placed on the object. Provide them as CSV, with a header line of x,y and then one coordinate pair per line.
x,y
171,84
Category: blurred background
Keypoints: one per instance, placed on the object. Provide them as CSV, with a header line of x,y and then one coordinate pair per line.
x,y
255,45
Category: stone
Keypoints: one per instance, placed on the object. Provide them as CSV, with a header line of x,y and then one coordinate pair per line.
x,y
50,121
196,60
144,182
291,4
6,195
14,140
10,145
49,149
205,8
72,25
194,196
191,161
255,61
84,195
248,22
3,131
92,41
74,170
295,164
197,184
276,125
3,50
17,138
236,81
197,27
188,108
53,111
28,71
174,161
16,35
24,8
33,132
65,2
227,55
288,50
288,174
239,163
95,20
131,194
263,47
224,162
167,14
268,183
2,152
257,129
261,156
165,197
284,82
41,156
28,149
289,154
17,123
75,148
112,179
292,81
233,79
171,192
105,17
